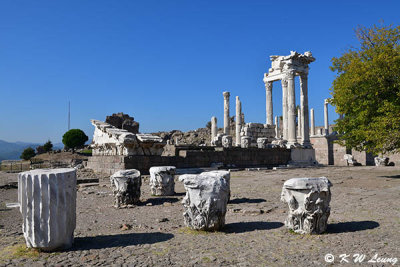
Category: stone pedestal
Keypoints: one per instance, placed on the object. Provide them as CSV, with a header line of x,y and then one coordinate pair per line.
x,y
245,141
162,180
126,187
308,200
205,201
227,141
262,142
47,199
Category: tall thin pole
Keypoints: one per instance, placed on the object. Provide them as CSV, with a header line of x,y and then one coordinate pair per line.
x,y
69,115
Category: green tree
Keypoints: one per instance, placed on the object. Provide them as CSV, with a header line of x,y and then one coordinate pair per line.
x,y
48,146
74,138
366,91
28,153
40,150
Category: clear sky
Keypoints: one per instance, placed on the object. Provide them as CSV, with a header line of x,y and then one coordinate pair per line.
x,y
166,63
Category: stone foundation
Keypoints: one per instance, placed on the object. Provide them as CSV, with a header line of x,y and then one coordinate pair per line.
x,y
238,157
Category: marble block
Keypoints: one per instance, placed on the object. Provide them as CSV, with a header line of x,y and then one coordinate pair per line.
x,y
47,199
245,141
227,141
308,200
205,201
162,180
262,142
126,187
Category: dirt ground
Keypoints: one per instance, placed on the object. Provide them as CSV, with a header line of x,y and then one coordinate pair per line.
x,y
364,220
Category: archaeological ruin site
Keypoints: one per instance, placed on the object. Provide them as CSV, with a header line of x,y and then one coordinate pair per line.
x,y
281,192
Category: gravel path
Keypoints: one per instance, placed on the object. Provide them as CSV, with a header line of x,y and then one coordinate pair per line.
x,y
364,219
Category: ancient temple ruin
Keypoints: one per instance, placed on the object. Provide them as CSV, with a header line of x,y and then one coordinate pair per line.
x,y
285,68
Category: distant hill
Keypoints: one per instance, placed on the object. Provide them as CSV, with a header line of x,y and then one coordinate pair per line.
x,y
10,150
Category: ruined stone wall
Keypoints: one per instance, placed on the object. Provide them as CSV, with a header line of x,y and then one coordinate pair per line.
x,y
239,157
258,130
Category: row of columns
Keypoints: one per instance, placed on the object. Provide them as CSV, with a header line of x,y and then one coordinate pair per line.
x,y
289,108
238,121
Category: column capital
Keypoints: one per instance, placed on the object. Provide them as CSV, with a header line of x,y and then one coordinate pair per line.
x,y
268,86
290,74
226,94
303,76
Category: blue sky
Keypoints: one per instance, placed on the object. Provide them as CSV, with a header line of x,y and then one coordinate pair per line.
x,y
166,63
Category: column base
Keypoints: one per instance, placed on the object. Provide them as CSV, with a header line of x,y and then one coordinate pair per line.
x,y
291,144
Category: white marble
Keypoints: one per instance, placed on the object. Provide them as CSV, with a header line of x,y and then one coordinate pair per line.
x,y
47,199
245,142
269,104
262,142
126,187
326,119
227,141
110,141
238,121
162,181
312,132
308,200
206,200
227,119
214,129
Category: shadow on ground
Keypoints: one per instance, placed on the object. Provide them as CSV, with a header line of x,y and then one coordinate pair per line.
x,y
345,227
111,241
246,200
160,200
242,227
391,176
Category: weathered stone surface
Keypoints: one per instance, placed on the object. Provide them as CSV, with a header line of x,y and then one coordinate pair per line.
x,y
350,160
308,200
123,121
245,142
126,187
47,199
262,142
162,180
206,200
110,141
227,141
218,140
381,161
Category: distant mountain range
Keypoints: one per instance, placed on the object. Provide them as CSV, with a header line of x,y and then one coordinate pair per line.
x,y
10,150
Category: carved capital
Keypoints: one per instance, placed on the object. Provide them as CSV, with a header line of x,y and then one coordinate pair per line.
x,y
226,94
290,74
284,81
268,86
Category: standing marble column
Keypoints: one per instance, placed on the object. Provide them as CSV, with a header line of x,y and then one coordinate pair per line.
x,y
291,116
276,127
299,123
269,108
214,129
305,134
227,119
284,108
312,122
238,120
326,120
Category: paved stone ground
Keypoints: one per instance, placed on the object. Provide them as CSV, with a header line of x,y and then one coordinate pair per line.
x,y
364,219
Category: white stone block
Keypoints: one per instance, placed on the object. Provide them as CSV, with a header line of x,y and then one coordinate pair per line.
x,y
308,200
262,142
206,200
227,141
47,199
162,180
126,187
245,141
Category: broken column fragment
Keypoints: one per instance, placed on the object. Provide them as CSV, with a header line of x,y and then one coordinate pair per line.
x,y
126,187
162,180
47,199
205,201
308,200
